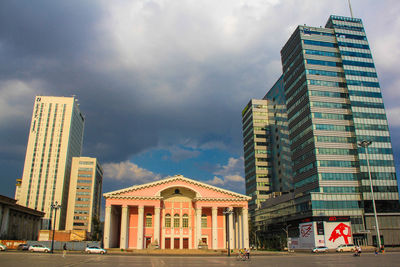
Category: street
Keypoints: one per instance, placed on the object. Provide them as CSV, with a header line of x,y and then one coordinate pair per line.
x,y
17,259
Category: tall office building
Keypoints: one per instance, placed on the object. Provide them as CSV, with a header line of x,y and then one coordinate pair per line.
x,y
55,136
334,102
267,154
258,173
84,194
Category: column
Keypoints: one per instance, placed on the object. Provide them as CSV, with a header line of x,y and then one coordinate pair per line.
x,y
214,228
107,227
231,233
123,241
157,226
140,228
236,228
162,244
224,219
245,216
240,229
198,227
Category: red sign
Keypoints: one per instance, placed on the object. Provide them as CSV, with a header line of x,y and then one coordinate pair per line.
x,y
342,230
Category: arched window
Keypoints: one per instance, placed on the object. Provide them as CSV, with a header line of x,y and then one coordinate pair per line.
x,y
168,220
185,221
149,220
204,221
176,221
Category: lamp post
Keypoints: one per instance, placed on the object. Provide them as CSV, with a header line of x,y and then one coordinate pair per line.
x,y
54,207
286,229
365,144
228,212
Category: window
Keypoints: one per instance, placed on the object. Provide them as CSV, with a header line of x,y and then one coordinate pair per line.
x,y
204,221
176,221
185,221
149,218
168,220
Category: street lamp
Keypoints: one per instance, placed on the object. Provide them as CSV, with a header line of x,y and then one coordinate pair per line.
x,y
228,212
287,236
54,207
365,144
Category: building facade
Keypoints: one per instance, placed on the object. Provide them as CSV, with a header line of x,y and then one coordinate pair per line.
x,y
18,222
55,136
175,213
333,101
257,152
84,194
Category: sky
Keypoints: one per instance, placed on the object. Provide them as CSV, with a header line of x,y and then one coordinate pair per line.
x,y
162,83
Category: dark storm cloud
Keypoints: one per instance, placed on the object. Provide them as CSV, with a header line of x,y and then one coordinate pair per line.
x,y
147,73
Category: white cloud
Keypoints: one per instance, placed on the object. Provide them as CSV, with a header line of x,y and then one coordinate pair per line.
x,y
215,181
129,172
229,173
16,98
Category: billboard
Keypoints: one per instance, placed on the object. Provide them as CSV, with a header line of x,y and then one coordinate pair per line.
x,y
338,233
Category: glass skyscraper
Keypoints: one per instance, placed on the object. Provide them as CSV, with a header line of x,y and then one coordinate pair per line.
x,y
333,101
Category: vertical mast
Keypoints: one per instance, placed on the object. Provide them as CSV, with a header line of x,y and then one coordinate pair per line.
x,y
351,11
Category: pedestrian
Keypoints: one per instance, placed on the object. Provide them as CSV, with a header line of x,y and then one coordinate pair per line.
x,y
376,251
64,250
383,249
359,250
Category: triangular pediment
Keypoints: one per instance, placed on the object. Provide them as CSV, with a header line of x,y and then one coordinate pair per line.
x,y
154,190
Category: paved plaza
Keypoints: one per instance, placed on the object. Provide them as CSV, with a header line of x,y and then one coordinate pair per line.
x,y
16,259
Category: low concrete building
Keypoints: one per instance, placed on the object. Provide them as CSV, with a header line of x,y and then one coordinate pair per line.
x,y
18,222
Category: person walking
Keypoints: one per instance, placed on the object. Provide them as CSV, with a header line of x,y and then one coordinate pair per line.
x,y
64,250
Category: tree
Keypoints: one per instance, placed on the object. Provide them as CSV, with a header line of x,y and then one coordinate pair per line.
x,y
97,233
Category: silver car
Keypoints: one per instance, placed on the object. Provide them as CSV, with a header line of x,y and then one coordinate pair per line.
x,y
38,248
95,249
3,247
320,249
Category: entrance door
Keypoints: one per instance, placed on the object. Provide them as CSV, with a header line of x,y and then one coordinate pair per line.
x,y
148,242
176,243
167,243
186,243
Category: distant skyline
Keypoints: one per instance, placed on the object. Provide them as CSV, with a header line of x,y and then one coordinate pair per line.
x,y
162,83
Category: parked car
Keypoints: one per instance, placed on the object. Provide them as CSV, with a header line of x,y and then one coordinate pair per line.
x,y
346,247
38,248
95,249
23,247
3,247
320,249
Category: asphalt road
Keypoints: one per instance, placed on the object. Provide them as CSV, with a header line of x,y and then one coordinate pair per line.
x,y
17,259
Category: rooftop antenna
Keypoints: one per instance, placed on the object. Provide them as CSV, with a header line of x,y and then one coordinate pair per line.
x,y
351,11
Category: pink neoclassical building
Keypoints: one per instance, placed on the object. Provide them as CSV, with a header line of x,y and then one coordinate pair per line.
x,y
175,213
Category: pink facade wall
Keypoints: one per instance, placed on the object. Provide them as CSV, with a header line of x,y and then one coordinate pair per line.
x,y
184,207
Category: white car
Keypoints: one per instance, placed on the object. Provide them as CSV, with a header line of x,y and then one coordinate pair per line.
x,y
346,248
320,249
94,249
38,248
3,247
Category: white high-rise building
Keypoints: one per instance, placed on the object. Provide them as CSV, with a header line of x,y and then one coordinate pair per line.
x,y
55,136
